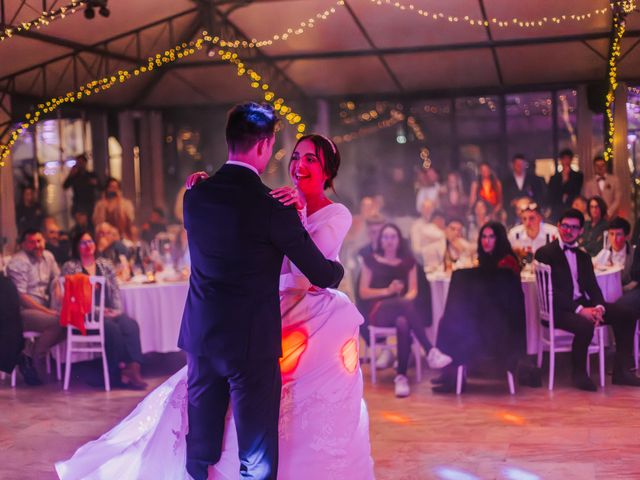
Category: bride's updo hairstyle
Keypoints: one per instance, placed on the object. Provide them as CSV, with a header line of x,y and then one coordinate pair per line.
x,y
330,156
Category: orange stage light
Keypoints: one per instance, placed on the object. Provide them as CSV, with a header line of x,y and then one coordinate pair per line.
x,y
294,344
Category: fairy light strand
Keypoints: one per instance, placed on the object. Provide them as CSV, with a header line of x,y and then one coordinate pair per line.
x,y
476,21
154,62
43,20
619,26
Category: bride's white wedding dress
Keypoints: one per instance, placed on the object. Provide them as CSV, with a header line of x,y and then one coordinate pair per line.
x,y
324,424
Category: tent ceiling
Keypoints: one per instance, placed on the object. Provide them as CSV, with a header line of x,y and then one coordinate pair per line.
x,y
364,48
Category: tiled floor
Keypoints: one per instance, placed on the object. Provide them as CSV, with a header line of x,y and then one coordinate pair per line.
x,y
484,434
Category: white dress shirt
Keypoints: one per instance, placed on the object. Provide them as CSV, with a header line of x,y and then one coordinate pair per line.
x,y
519,181
518,237
573,266
245,165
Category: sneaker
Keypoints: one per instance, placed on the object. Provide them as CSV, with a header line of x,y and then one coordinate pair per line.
x,y
402,386
385,359
436,359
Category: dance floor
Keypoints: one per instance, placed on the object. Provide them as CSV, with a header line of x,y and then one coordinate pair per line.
x,y
484,434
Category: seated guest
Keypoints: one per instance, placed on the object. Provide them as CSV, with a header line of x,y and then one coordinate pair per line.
x,y
109,246
532,234
580,203
453,199
429,187
578,304
427,240
56,241
374,225
389,285
156,224
592,238
458,251
484,314
621,253
480,214
34,272
122,334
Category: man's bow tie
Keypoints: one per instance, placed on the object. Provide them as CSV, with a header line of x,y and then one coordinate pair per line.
x,y
567,247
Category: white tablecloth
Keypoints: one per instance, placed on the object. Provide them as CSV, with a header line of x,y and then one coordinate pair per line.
x,y
158,310
609,281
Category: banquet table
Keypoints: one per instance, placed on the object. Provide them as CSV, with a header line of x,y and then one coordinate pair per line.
x,y
157,307
609,281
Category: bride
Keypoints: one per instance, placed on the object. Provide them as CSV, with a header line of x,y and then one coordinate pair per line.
x,y
324,424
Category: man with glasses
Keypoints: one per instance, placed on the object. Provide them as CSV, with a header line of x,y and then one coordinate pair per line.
x,y
578,304
532,233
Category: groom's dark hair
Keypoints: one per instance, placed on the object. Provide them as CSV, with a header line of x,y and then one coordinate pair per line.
x,y
249,123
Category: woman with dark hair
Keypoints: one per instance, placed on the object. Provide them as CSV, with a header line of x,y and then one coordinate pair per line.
x,y
122,334
324,425
592,238
487,187
485,313
494,249
389,285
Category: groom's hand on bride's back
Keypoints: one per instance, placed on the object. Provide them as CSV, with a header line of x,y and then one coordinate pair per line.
x,y
194,179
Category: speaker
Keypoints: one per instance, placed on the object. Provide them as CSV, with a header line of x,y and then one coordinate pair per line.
x,y
597,96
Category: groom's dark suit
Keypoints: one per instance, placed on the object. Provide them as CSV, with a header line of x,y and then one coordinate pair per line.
x,y
238,235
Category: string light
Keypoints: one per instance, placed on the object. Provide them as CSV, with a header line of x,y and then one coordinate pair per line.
x,y
502,23
159,60
256,81
395,116
43,20
97,86
620,11
288,33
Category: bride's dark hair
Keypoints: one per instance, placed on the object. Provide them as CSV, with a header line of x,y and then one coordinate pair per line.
x,y
330,155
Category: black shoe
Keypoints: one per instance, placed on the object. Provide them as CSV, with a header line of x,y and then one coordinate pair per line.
x,y
583,382
28,371
625,378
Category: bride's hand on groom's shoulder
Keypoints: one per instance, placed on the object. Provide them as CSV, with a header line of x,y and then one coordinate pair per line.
x,y
194,179
289,196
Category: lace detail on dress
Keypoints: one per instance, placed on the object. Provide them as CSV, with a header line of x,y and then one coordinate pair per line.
x,y
179,401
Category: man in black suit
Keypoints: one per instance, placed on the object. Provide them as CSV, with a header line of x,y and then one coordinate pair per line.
x,y
238,235
521,183
564,186
578,304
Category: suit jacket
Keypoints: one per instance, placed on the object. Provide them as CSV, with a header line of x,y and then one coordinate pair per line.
x,y
610,194
561,195
238,235
551,254
533,187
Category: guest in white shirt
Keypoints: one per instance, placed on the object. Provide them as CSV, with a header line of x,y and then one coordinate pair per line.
x,y
622,254
533,233
459,252
428,242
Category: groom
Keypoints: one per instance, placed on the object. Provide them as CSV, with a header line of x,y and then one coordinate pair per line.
x,y
238,235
